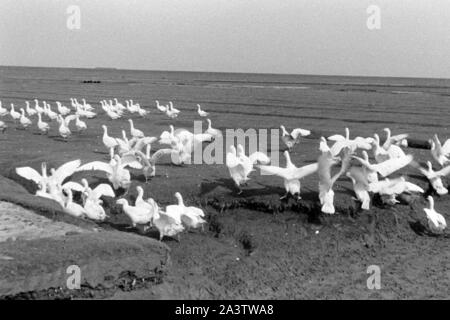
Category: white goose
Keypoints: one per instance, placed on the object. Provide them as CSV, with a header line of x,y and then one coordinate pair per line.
x,y
148,204
291,139
142,112
360,186
64,130
135,133
81,125
214,132
42,126
192,217
63,110
435,177
240,166
394,187
166,225
399,139
30,111
291,175
24,121
138,215
160,107
37,107
436,222
201,113
72,208
440,153
14,114
108,141
48,111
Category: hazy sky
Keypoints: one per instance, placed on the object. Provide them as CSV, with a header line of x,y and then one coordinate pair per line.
x,y
273,36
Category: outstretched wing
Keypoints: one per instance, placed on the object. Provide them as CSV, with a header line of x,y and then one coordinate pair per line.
x,y
305,171
259,157
336,137
388,167
103,189
161,152
274,170
74,186
130,160
96,165
29,174
443,172
66,170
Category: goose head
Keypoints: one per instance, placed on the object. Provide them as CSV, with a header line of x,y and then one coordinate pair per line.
x,y
388,133
431,202
209,123
347,133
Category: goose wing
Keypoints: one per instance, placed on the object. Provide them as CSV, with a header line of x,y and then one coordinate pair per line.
x,y
274,170
443,172
29,174
103,189
446,147
161,152
387,167
336,137
259,157
299,132
304,171
74,186
232,160
130,160
66,170
96,165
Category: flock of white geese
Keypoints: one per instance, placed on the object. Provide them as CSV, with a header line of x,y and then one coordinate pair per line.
x,y
135,152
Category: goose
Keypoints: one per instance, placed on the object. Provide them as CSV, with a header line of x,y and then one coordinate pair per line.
x,y
24,121
88,193
370,174
379,153
149,163
131,108
3,126
440,152
64,130
291,175
290,139
42,126
360,186
387,167
201,113
86,105
146,204
436,221
119,105
213,132
3,111
166,225
342,142
138,215
399,139
171,114
63,110
142,112
115,171
435,177
172,109
81,125
94,211
30,111
124,144
240,166
72,208
108,141
160,107
51,114
85,113
394,187
167,137
325,162
14,114
38,108
192,217
135,133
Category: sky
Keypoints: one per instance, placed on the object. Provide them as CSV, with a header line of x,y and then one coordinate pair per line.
x,y
328,37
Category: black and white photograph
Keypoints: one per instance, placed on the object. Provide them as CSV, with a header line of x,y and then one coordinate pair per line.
x,y
224,154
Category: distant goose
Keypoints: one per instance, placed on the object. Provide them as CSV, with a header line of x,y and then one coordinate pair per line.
x,y
81,125
290,139
107,140
63,129
51,114
142,112
135,133
24,121
214,132
14,114
291,175
37,107
174,110
160,107
63,110
201,113
436,222
42,126
30,111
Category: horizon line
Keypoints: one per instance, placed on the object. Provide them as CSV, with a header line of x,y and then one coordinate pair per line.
x,y
227,72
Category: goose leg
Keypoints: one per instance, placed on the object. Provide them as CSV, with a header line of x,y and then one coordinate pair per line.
x,y
285,196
